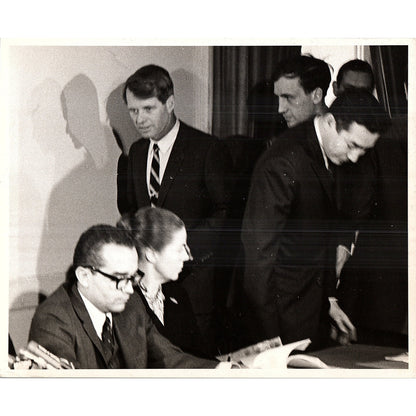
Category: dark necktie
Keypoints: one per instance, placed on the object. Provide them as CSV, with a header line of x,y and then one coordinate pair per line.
x,y
107,336
154,176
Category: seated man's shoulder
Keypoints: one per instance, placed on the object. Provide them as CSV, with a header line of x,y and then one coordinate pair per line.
x,y
134,306
55,311
55,308
56,299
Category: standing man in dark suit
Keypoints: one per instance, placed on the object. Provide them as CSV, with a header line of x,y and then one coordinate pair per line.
x,y
301,84
96,320
373,199
183,170
355,182
289,229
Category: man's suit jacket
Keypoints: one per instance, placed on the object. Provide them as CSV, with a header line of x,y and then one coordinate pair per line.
x,y
63,326
288,239
374,282
193,186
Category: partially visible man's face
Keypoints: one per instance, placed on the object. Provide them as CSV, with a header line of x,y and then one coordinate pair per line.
x,y
354,79
152,118
117,260
348,145
295,105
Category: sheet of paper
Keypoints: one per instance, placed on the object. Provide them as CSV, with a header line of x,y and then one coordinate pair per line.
x,y
274,357
404,357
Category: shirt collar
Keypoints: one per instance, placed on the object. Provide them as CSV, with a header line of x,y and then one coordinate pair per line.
x,y
155,301
151,296
97,316
318,134
167,141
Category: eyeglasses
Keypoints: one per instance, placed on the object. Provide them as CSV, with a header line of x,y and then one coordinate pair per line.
x,y
121,282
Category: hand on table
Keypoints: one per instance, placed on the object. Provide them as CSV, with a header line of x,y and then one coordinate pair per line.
x,y
342,329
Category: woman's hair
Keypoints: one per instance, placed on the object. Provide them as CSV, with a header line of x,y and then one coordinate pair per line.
x,y
151,227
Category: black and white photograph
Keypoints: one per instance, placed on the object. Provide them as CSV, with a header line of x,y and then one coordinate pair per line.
x,y
218,209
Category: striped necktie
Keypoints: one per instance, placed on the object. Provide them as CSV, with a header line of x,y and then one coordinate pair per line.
x,y
154,185
107,336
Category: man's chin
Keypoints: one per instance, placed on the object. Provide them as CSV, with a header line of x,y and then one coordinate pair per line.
x,y
291,123
145,133
119,307
337,162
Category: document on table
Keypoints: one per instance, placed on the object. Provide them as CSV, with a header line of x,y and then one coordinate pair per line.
x,y
271,354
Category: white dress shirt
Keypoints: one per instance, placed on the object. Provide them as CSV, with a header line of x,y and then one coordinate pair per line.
x,y
318,134
97,316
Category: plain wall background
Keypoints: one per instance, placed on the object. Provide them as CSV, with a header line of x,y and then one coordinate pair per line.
x,y
63,103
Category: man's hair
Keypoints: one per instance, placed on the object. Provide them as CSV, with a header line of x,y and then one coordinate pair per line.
x,y
312,72
356,65
87,250
362,107
150,81
151,227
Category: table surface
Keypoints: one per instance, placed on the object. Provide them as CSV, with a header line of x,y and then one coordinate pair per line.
x,y
361,356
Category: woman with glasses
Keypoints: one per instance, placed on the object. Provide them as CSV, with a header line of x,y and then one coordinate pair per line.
x,y
161,242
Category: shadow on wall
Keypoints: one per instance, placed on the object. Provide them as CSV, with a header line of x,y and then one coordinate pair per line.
x,y
87,194
187,91
47,118
125,134
121,124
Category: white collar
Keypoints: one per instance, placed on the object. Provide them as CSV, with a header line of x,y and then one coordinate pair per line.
x,y
318,134
167,141
97,316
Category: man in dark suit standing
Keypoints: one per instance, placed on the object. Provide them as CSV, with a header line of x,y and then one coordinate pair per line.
x,y
183,170
290,224
373,198
301,84
96,320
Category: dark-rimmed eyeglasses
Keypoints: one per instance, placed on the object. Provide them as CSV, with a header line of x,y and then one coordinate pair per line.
x,y
121,282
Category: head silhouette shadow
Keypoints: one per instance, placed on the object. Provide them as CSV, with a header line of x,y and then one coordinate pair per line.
x,y
79,101
122,126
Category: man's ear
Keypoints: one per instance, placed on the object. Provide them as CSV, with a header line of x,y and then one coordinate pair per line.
x,y
150,255
335,88
330,121
170,103
317,95
83,274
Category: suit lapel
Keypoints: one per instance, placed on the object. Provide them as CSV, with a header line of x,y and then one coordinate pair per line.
x,y
85,319
175,161
125,325
318,163
143,193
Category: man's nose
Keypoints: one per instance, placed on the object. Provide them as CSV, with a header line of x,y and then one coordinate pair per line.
x,y
282,106
139,117
187,255
128,288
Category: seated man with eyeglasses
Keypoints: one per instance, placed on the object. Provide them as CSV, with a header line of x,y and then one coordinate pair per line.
x,y
96,320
